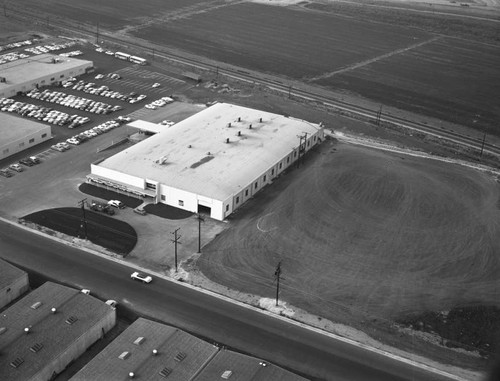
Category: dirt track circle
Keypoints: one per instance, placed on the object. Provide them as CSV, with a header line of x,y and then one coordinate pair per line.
x,y
369,232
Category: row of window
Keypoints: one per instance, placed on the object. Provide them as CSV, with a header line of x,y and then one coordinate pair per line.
x,y
32,140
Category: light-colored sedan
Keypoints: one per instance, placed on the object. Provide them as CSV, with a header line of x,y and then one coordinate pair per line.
x,y
142,277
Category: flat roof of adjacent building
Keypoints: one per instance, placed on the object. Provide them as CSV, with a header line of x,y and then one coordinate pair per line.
x,y
179,354
14,127
9,274
50,334
240,367
193,155
27,69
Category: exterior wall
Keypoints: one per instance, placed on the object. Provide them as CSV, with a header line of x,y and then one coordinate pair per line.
x,y
117,176
77,348
179,198
14,290
30,140
54,78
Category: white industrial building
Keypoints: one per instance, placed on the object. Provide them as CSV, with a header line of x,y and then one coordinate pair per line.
x,y
18,134
26,74
213,161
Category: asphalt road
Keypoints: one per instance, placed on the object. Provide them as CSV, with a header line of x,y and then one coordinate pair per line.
x,y
313,355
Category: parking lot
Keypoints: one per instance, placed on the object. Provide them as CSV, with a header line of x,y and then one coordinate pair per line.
x,y
54,182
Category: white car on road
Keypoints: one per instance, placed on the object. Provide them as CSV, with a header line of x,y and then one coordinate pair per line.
x,y
142,277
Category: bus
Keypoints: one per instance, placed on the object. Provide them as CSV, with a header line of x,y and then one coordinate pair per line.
x,y
138,60
122,56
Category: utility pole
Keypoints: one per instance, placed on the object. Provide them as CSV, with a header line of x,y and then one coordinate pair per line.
x,y
302,147
200,220
277,274
81,203
176,241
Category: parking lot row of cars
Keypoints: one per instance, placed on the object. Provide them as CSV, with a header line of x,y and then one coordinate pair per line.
x,y
73,101
12,56
16,167
43,114
103,90
159,103
73,53
42,49
97,130
18,44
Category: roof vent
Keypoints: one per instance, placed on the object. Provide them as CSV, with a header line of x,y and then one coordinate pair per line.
x,y
260,120
131,375
189,146
229,124
226,374
139,340
27,330
250,126
165,372
155,352
71,320
17,362
227,140
180,356
239,119
53,310
208,153
125,355
36,348
36,305
239,133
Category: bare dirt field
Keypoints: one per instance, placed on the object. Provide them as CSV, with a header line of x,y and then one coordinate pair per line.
x,y
374,51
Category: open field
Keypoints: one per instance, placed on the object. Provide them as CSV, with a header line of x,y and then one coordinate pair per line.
x,y
387,61
364,234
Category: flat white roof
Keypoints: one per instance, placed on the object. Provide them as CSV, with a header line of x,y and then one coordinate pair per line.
x,y
197,159
32,68
14,127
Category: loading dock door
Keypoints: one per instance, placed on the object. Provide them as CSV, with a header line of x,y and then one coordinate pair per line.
x,y
202,209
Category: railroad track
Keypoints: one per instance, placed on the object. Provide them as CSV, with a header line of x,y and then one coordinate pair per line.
x,y
272,83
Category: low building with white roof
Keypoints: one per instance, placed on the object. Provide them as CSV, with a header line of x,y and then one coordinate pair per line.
x,y
26,74
211,162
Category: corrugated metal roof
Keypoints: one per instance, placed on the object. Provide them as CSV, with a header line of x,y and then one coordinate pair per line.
x,y
194,155
49,334
9,274
179,354
241,367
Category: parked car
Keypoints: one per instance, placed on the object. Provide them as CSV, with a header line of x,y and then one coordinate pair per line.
x,y
141,276
5,173
16,167
34,159
116,204
156,84
26,162
57,147
103,208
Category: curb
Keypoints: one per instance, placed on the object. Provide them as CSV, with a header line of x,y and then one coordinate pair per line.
x,y
248,306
